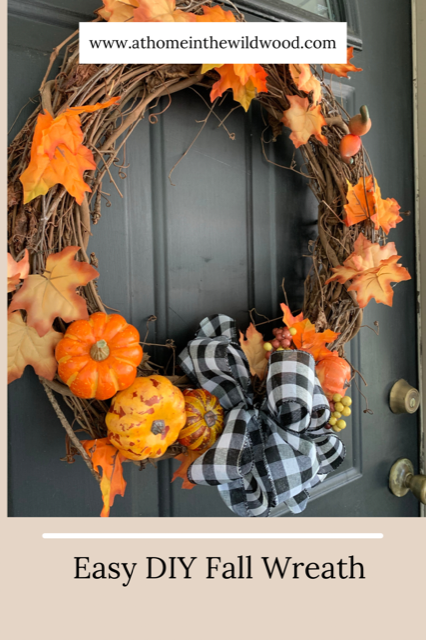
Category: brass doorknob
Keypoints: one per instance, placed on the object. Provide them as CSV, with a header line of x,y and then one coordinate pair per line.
x,y
404,398
402,480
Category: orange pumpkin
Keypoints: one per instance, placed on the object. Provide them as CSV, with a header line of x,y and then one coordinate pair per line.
x,y
349,146
334,374
146,418
360,124
204,420
98,357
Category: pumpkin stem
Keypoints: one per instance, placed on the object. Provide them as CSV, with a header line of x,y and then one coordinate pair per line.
x,y
99,351
210,418
364,114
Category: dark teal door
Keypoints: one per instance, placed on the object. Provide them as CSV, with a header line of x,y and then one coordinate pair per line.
x,y
221,240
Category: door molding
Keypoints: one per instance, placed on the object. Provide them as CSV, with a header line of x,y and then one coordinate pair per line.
x,y
47,14
419,119
277,10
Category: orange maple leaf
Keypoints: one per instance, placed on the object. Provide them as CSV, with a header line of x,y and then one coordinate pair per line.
x,y
252,346
118,10
365,201
341,70
304,121
53,294
161,11
104,455
289,319
186,459
306,81
307,339
17,271
215,14
371,268
58,155
245,80
24,346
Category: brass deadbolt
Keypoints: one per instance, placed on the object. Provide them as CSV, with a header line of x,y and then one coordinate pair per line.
x,y
402,480
404,398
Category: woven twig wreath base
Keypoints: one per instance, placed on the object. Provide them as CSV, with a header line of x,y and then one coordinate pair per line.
x,y
52,222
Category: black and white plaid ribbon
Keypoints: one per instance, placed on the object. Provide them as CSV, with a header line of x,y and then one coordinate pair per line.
x,y
266,454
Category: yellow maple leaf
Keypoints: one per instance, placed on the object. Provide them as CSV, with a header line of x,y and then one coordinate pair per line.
x,y
304,121
245,80
252,345
306,81
53,294
118,10
161,11
17,271
25,346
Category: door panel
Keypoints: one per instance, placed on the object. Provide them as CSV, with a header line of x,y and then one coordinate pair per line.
x,y
221,240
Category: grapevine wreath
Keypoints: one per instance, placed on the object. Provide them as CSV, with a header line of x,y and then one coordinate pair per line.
x,y
234,396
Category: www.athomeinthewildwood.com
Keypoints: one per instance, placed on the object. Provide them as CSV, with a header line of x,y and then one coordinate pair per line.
x,y
208,43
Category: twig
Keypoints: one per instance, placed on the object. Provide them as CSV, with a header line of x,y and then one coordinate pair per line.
x,y
70,432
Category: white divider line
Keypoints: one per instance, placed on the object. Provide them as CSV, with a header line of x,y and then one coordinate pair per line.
x,y
212,536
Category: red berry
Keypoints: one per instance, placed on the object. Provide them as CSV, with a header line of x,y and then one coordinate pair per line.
x,y
275,331
286,342
287,333
328,426
275,343
331,406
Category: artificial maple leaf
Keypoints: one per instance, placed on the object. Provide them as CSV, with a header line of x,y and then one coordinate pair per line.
x,y
58,155
371,268
17,271
289,319
307,339
118,10
186,459
364,200
304,121
306,81
252,346
161,11
376,283
53,294
105,455
341,70
215,14
24,346
245,80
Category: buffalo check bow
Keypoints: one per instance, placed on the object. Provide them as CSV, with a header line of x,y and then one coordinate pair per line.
x,y
267,454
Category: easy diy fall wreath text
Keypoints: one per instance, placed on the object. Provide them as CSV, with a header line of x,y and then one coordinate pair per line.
x,y
94,361
216,567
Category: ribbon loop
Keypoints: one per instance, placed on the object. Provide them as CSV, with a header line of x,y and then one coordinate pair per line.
x,y
266,454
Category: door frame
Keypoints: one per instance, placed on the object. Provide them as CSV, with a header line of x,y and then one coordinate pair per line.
x,y
419,122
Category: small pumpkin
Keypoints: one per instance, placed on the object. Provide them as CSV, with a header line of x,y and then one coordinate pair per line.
x,y
99,356
360,124
349,146
145,419
334,374
204,420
